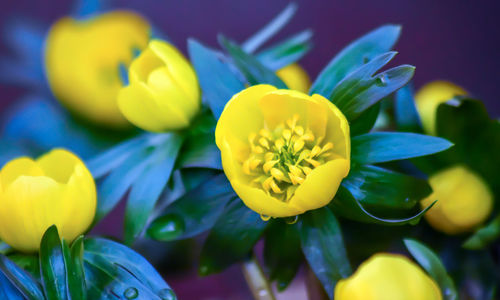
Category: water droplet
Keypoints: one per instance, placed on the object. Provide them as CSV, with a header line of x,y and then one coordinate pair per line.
x,y
381,80
265,218
263,293
167,228
131,293
292,220
167,294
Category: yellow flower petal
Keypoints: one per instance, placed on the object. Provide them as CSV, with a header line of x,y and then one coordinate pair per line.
x,y
17,167
320,185
388,277
295,77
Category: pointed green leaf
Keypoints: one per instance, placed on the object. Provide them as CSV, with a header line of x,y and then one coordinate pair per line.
x,y
361,89
149,185
8,290
249,66
366,121
218,82
268,31
236,232
323,247
357,53
484,236
52,266
433,265
379,147
282,253
22,280
286,52
200,151
405,111
195,212
75,276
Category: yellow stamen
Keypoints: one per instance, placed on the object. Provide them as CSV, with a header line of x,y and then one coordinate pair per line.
x,y
258,150
306,170
254,163
268,156
287,134
298,145
279,144
275,187
315,151
268,165
276,173
246,167
296,179
265,133
264,143
295,170
299,130
313,162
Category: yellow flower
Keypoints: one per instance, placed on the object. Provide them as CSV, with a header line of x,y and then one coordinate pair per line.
x,y
82,59
163,93
388,277
428,99
295,78
464,200
55,189
283,151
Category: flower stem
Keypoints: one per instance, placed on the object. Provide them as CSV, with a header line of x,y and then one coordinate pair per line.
x,y
256,280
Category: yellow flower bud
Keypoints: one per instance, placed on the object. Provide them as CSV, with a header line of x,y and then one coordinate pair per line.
x,y
82,59
295,78
428,99
56,189
291,180
163,93
388,276
464,200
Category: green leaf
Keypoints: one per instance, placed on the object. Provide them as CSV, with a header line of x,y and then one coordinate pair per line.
x,y
195,212
52,266
268,31
75,276
361,89
149,185
4,247
433,265
405,111
379,147
21,279
484,236
381,188
286,52
366,121
200,151
353,56
249,66
8,290
231,239
110,266
323,247
345,205
217,80
282,253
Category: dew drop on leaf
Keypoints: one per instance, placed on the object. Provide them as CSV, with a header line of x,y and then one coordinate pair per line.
x,y
131,293
167,294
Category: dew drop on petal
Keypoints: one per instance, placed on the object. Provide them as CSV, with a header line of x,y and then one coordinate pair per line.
x,y
265,218
131,293
292,220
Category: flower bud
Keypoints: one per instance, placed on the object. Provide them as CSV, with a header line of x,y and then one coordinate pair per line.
x,y
428,99
83,58
388,276
56,189
163,93
295,78
464,200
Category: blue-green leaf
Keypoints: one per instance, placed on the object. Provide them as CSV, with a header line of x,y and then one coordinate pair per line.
x,y
217,80
200,151
73,258
148,187
366,121
8,290
378,147
21,279
433,265
254,71
231,239
361,89
405,111
353,56
323,247
484,236
268,31
52,265
286,52
195,212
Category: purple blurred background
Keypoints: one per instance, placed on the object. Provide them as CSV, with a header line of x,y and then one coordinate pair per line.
x,y
446,39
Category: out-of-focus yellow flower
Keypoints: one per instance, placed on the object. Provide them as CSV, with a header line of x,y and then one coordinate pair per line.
x,y
388,277
428,99
56,188
464,200
295,77
82,59
163,93
283,151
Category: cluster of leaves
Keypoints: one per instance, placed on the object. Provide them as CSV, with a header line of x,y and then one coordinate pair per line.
x,y
92,268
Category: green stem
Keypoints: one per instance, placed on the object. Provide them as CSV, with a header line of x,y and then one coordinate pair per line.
x,y
256,280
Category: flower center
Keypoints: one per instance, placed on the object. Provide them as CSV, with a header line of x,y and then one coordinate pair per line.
x,y
281,159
